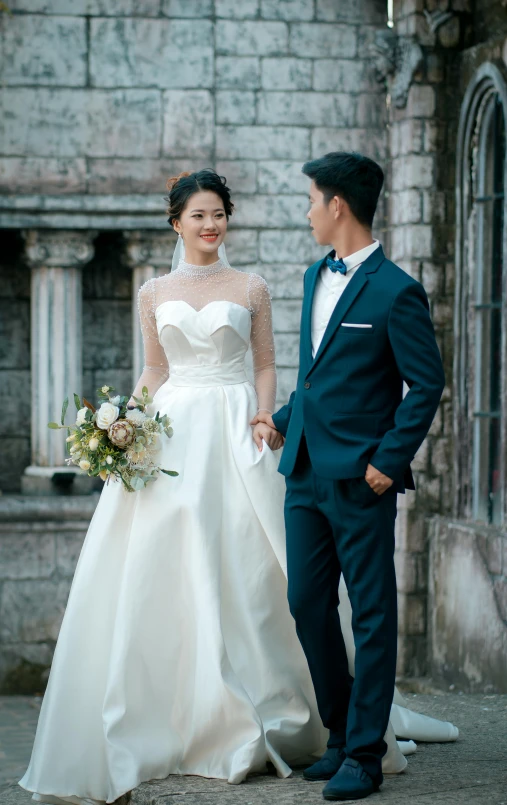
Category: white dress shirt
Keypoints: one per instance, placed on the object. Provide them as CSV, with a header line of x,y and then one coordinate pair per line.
x,y
329,288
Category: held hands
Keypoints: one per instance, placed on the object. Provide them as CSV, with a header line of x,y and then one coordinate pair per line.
x,y
264,430
379,482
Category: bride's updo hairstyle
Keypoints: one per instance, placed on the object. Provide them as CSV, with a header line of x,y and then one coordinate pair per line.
x,y
183,187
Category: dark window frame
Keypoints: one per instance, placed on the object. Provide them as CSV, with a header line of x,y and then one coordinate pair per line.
x,y
484,105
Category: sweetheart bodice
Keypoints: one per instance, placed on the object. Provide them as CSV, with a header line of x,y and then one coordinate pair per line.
x,y
214,338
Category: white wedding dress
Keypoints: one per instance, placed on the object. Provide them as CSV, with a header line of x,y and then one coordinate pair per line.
x,y
177,653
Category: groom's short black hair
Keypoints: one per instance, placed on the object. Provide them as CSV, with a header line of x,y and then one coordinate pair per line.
x,y
355,178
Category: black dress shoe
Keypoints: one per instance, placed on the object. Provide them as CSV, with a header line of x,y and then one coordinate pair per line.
x,y
350,782
327,766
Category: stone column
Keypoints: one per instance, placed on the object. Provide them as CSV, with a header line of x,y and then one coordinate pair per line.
x,y
56,259
149,254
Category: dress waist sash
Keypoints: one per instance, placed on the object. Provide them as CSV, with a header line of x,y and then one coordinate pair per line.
x,y
210,375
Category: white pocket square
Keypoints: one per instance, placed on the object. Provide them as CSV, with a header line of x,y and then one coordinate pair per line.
x,y
364,326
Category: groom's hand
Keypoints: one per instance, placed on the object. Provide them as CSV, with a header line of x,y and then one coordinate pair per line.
x,y
265,417
379,482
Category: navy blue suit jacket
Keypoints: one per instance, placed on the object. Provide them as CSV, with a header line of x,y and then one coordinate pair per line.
x,y
349,398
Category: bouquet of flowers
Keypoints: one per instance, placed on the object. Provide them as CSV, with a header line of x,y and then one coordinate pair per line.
x,y
116,441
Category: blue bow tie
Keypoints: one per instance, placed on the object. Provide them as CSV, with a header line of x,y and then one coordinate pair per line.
x,y
336,265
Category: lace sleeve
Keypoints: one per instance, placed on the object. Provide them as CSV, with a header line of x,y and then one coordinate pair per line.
x,y
156,369
262,341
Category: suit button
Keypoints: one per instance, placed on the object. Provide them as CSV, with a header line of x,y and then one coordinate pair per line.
x,y
307,385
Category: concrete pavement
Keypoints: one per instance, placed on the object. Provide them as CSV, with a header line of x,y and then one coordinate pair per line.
x,y
472,771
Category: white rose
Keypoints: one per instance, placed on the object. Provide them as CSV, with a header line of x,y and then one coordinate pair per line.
x,y
84,464
71,437
93,443
109,459
106,415
81,416
115,400
75,449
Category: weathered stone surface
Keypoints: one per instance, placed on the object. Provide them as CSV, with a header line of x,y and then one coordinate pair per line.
x,y
289,10
284,283
270,212
113,8
36,175
182,8
314,39
412,615
151,53
80,122
107,334
287,316
14,334
14,403
282,177
236,72
242,247
406,207
188,123
119,176
237,9
241,175
370,110
262,142
68,548
406,571
421,101
26,555
251,38
306,108
287,379
286,350
43,50
43,122
406,137
235,107
286,73
415,171
344,75
279,246
367,141
468,634
362,11
32,610
15,454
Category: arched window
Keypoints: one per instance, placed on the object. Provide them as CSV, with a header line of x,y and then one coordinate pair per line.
x,y
481,302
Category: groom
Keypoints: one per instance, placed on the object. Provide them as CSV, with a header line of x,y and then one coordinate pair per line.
x,y
350,436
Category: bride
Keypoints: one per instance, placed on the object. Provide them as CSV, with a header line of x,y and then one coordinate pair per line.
x,y
177,653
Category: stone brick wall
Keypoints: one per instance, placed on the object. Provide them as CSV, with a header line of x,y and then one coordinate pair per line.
x,y
421,223
40,543
103,101
451,576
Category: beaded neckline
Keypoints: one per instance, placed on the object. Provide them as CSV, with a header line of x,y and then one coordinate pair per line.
x,y
189,270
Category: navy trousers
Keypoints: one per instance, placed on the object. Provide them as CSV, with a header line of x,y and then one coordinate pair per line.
x,y
334,527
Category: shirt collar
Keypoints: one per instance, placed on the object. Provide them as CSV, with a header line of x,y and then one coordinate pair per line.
x,y
355,259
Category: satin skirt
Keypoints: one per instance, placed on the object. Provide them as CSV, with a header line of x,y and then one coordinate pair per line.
x,y
177,652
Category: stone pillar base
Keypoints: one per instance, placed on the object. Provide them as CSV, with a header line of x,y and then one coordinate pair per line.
x,y
58,481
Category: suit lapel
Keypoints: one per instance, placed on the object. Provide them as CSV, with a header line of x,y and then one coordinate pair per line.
x,y
313,275
348,297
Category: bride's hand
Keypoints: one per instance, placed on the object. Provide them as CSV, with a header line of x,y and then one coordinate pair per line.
x,y
263,432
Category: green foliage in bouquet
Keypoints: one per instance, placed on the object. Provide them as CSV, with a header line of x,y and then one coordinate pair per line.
x,y
114,441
